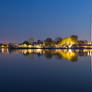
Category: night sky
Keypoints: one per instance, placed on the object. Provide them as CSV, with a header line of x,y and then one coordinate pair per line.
x,y
22,19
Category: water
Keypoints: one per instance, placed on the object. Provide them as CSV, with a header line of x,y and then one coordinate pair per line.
x,y
45,70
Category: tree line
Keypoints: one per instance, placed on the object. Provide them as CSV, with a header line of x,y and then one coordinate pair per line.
x,y
73,39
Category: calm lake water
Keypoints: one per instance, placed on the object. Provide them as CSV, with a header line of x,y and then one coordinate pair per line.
x,y
45,70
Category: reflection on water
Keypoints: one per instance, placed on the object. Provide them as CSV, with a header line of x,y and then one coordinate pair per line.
x,y
68,54
37,70
71,55
4,50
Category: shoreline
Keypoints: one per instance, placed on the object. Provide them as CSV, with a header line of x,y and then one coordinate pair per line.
x,y
46,48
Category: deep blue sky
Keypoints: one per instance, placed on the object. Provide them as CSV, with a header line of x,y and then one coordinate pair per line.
x,y
22,19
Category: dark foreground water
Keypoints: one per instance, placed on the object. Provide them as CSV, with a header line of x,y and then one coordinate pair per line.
x,y
45,70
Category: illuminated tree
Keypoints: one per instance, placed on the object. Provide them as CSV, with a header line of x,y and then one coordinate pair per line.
x,y
69,41
74,38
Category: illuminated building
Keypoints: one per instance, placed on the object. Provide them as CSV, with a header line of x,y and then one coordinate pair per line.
x,y
91,29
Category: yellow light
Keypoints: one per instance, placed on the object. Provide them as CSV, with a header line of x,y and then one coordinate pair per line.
x,y
30,46
2,46
24,45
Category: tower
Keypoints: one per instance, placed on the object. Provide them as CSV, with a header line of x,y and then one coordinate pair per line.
x,y
91,29
91,41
